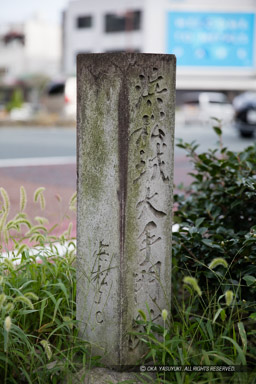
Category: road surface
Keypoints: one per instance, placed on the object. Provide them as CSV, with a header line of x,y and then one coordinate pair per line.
x,y
34,142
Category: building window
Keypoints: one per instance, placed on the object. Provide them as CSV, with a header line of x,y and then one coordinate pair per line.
x,y
84,21
14,36
127,21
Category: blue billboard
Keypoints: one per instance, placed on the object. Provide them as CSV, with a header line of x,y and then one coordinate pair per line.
x,y
204,39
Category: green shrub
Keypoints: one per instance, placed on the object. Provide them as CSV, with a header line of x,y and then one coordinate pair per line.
x,y
217,219
16,100
214,253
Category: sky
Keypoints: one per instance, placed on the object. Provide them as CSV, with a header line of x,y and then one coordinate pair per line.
x,y
21,10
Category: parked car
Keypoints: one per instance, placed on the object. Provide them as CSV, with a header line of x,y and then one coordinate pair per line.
x,y
53,98
200,107
60,97
245,113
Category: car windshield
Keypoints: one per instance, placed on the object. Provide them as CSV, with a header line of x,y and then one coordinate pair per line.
x,y
56,89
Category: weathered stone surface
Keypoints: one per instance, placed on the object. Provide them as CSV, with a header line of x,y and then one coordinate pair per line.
x,y
107,376
126,106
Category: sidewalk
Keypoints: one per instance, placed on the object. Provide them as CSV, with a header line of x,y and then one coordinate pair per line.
x,y
45,121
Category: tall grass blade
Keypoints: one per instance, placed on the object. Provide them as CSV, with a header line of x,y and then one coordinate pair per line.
x,y
241,354
243,335
23,198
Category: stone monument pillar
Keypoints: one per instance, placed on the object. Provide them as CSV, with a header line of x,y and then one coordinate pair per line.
x,y
126,107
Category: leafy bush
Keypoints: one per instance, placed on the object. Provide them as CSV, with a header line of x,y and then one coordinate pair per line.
x,y
217,219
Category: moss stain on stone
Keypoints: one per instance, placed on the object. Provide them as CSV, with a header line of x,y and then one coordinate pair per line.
x,y
95,151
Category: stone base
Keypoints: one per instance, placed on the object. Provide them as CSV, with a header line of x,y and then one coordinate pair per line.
x,y
107,376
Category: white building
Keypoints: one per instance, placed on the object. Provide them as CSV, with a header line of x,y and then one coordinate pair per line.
x,y
102,26
31,48
214,41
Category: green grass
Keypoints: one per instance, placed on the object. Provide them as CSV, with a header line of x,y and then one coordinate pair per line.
x,y
41,342
202,330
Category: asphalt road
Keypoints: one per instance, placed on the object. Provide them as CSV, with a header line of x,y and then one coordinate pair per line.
x,y
34,142
205,136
